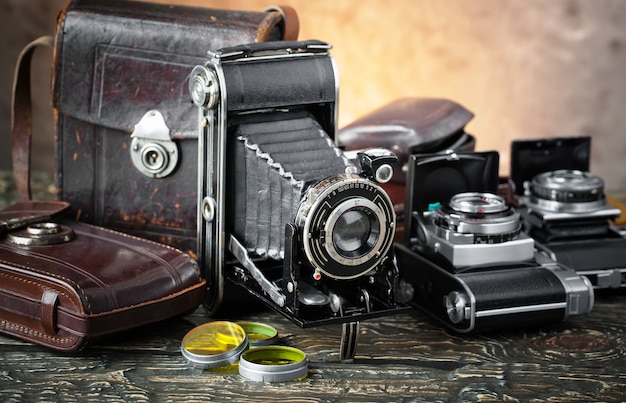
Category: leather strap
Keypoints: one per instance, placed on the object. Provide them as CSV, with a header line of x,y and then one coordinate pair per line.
x,y
49,304
291,22
21,116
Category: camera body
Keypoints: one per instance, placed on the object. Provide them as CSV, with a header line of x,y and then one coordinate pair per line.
x,y
466,258
564,208
282,212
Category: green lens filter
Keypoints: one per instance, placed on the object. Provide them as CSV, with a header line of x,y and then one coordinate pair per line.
x,y
259,334
273,364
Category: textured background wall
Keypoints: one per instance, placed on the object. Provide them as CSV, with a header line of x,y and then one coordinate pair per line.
x,y
526,69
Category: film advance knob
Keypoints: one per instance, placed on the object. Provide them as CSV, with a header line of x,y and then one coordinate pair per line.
x,y
456,303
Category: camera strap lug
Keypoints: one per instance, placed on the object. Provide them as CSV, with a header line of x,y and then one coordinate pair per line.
x,y
237,249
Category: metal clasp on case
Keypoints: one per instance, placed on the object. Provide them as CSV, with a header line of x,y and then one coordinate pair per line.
x,y
152,150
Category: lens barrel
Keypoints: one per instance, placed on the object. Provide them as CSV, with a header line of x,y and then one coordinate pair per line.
x,y
568,186
474,217
347,225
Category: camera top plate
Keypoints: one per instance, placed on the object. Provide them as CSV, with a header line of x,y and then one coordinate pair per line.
x,y
533,157
435,178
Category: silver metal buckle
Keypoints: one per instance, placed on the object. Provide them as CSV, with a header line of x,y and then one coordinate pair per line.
x,y
152,150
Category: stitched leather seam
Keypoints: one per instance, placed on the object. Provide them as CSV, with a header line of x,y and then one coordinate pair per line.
x,y
77,286
25,330
160,245
132,237
31,332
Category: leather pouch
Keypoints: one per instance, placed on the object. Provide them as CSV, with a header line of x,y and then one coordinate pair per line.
x,y
410,126
126,128
64,283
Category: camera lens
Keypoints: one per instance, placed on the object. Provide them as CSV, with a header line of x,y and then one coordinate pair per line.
x,y
475,217
567,191
348,225
478,203
355,233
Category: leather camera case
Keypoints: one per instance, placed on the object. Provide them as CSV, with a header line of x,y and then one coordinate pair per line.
x,y
64,291
122,107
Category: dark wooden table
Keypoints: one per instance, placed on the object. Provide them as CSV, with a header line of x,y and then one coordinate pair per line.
x,y
400,358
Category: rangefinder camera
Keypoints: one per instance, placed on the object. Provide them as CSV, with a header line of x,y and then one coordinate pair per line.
x,y
564,208
282,212
466,258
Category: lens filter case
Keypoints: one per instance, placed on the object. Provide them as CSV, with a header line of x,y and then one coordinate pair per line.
x,y
214,345
273,364
219,344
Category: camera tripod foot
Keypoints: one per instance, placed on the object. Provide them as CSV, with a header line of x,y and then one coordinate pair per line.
x,y
349,336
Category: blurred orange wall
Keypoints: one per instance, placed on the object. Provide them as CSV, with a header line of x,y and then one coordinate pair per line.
x,y
527,69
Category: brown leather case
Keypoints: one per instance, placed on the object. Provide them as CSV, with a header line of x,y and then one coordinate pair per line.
x,y
121,96
411,126
63,291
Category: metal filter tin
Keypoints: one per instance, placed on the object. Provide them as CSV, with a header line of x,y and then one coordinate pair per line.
x,y
273,364
214,344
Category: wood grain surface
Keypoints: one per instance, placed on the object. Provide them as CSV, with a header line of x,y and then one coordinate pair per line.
x,y
401,358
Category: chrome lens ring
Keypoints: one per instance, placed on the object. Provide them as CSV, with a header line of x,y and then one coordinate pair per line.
x,y
478,203
567,186
325,215
477,218
356,231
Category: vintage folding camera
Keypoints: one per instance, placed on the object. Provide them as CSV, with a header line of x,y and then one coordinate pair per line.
x,y
282,212
466,257
565,210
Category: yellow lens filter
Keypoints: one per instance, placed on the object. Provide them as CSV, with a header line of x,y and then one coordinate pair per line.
x,y
214,345
222,343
